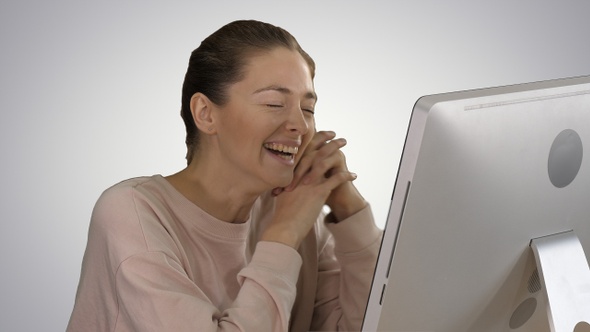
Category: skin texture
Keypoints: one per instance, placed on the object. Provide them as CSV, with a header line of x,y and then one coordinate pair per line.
x,y
272,105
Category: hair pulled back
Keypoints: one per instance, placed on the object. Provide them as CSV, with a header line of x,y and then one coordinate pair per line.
x,y
219,62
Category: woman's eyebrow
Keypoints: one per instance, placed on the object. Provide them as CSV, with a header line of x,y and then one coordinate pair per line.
x,y
284,90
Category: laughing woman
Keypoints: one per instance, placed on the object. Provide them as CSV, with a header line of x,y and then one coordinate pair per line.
x,y
236,241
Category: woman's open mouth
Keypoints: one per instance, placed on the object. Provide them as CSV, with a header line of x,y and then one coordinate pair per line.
x,y
281,150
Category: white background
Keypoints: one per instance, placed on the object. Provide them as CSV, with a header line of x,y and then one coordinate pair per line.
x,y
90,95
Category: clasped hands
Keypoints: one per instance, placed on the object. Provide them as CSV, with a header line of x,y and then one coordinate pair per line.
x,y
320,178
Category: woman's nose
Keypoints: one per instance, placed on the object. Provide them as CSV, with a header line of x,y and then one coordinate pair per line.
x,y
296,121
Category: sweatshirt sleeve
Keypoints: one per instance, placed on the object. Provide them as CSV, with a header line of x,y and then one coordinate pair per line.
x,y
346,266
155,295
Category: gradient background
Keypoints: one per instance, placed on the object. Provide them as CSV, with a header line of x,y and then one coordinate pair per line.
x,y
90,95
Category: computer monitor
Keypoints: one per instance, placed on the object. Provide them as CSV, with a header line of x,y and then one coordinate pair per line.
x,y
489,223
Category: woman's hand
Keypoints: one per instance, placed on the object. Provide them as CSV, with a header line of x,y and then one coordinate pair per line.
x,y
324,152
321,177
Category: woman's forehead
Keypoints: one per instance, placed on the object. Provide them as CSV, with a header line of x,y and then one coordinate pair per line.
x,y
279,69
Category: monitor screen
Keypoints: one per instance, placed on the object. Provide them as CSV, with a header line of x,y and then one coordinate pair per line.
x,y
484,174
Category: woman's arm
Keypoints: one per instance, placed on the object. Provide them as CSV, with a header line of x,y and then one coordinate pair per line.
x,y
346,266
349,250
320,177
136,277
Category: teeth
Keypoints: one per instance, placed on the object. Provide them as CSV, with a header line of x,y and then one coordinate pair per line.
x,y
282,148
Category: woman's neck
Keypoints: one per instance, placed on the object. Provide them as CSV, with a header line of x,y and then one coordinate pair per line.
x,y
214,192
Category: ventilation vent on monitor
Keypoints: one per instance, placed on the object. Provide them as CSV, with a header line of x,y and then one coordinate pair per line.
x,y
523,313
527,308
534,282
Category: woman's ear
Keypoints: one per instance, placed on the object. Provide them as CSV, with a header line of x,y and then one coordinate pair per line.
x,y
201,109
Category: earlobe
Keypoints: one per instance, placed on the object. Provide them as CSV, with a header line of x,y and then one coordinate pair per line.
x,y
201,109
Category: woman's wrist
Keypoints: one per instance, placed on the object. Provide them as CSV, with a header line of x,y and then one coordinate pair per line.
x,y
276,234
347,203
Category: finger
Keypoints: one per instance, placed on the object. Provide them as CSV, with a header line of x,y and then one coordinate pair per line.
x,y
330,148
277,191
328,159
338,179
319,139
315,164
305,162
318,143
302,167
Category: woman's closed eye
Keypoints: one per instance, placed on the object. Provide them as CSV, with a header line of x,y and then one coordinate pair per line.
x,y
309,110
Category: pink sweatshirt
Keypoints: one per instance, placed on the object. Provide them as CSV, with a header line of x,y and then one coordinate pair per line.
x,y
157,262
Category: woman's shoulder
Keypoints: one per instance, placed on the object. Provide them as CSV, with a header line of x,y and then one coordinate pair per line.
x,y
130,184
127,189
129,214
120,200
121,225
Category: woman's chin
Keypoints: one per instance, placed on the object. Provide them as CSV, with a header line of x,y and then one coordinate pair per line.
x,y
283,182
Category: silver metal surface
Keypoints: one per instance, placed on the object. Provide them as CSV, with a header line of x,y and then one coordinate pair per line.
x,y
473,188
565,276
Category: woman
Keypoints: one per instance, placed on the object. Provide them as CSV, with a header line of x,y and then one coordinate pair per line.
x,y
233,242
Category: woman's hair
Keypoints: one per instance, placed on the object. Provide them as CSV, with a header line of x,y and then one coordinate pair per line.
x,y
219,62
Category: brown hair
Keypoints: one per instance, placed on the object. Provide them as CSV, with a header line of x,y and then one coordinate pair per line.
x,y
219,61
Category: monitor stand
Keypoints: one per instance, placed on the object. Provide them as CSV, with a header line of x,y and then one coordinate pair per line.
x,y
565,277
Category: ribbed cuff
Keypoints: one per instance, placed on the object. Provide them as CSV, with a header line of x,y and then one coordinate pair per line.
x,y
279,258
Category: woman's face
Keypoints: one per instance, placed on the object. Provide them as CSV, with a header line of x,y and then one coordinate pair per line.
x,y
268,120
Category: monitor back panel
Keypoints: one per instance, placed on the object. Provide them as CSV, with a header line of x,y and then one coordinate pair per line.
x,y
472,190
